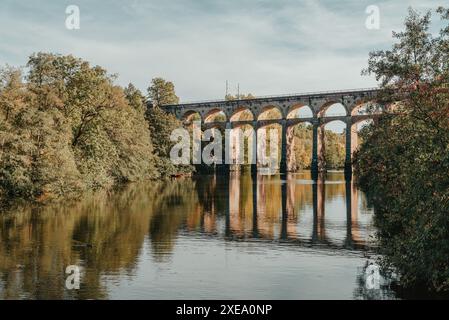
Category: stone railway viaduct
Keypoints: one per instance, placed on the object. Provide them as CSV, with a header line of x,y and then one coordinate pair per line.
x,y
354,102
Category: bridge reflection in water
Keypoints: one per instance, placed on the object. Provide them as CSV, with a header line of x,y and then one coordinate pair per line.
x,y
290,209
174,238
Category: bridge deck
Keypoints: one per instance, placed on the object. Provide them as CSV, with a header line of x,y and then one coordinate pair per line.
x,y
280,97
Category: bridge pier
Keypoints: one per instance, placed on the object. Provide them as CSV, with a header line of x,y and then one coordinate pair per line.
x,y
254,156
348,159
351,145
283,164
224,167
318,162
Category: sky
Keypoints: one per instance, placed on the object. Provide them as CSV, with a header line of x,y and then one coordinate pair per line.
x,y
265,46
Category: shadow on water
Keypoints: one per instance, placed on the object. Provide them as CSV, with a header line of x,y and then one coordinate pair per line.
x,y
146,237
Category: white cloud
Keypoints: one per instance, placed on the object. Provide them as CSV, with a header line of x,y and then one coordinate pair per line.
x,y
268,47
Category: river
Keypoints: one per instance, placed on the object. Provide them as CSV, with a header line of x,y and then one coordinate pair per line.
x,y
209,237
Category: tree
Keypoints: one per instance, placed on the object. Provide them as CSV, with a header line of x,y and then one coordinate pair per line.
x,y
230,97
302,147
69,128
162,92
135,98
35,157
335,150
161,126
11,86
404,160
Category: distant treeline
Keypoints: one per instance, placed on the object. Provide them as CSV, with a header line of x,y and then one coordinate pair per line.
x,y
334,147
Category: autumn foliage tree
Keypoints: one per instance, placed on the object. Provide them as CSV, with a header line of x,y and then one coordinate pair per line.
x,y
65,127
162,92
404,162
162,124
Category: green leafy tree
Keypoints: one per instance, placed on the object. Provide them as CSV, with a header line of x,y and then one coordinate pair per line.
x,y
302,147
35,154
69,128
230,97
404,160
162,92
135,98
335,150
161,126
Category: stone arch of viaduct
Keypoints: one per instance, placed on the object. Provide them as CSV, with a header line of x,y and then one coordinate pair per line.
x,y
352,100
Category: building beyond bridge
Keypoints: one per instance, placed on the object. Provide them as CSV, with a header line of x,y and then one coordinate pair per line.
x,y
355,103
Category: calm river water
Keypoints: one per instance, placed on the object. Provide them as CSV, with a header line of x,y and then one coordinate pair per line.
x,y
202,238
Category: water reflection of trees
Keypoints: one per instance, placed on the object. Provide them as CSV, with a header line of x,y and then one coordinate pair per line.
x,y
105,233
